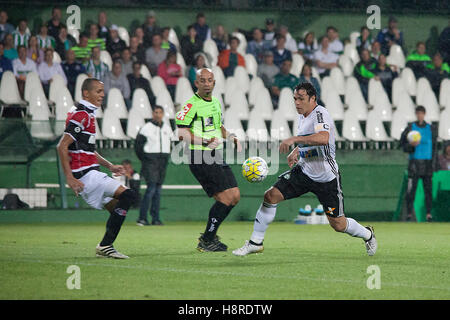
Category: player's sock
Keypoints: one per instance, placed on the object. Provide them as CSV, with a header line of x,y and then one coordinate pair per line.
x,y
264,216
117,217
217,215
356,230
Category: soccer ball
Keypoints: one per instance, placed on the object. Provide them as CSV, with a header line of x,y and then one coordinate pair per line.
x,y
254,169
414,136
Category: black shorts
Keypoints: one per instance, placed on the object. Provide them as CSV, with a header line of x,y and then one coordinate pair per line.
x,y
294,183
215,177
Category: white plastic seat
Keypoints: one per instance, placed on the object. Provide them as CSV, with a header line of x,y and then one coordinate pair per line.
x,y
250,64
398,124
409,80
297,64
431,106
353,36
396,56
56,85
334,105
56,57
218,96
351,52
63,104
220,79
210,48
406,107
40,124
183,90
286,104
123,34
174,38
141,103
374,128
338,80
256,85
444,93
346,65
181,62
165,101
116,104
233,124
353,91
32,82
280,128
242,42
98,133
382,107
423,86
242,79
105,57
74,33
111,127
444,125
398,88
327,85
239,105
263,104
257,130
158,85
231,87
146,73
351,128
135,123
79,82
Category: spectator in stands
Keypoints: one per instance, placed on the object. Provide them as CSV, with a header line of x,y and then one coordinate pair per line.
x,y
155,54
200,62
5,27
280,53
418,60
190,45
54,24
229,59
364,41
33,51
444,44
365,70
290,44
444,158
96,68
268,70
284,79
72,69
116,79
324,58
389,36
375,51
21,67
220,37
150,28
258,45
136,80
166,44
45,40
137,50
64,42
102,24
22,34
386,74
10,51
308,47
130,179
436,72
126,61
202,29
335,45
82,51
48,69
139,34
94,40
170,71
306,76
5,63
115,45
269,32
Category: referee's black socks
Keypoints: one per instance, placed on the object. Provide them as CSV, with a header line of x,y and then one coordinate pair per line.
x,y
217,214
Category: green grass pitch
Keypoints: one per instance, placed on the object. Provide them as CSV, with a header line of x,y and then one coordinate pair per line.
x,y
299,262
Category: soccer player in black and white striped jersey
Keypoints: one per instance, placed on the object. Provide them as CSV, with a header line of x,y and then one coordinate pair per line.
x,y
313,169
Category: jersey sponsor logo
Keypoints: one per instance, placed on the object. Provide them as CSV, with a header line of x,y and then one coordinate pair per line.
x,y
330,210
321,127
309,153
319,117
182,114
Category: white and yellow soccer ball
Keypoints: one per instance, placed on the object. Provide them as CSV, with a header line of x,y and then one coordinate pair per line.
x,y
414,136
255,169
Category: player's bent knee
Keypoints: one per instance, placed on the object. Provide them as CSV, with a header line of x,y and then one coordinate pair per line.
x,y
273,196
236,197
339,225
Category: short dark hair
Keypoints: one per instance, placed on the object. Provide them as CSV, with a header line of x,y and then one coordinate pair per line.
x,y
308,87
420,109
136,63
157,106
332,28
88,84
200,15
126,161
189,27
235,38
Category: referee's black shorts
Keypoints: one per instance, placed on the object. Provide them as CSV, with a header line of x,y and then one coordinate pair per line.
x,y
215,177
294,183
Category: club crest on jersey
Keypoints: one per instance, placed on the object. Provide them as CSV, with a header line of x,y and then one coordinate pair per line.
x,y
182,113
77,129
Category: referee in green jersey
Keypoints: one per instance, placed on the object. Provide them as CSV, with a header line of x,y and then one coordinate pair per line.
x,y
200,125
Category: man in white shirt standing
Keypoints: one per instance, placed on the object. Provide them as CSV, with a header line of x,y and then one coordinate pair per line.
x,y
313,169
153,149
324,58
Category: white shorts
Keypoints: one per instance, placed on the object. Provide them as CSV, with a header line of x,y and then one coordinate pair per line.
x,y
99,188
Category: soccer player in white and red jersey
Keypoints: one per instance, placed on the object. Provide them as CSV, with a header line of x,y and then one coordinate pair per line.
x,y
313,169
81,165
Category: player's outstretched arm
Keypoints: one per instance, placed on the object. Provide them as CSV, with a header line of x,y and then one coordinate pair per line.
x,y
232,137
186,135
118,170
317,139
63,152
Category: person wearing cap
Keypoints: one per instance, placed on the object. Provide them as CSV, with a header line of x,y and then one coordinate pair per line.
x,y
269,32
115,45
258,45
150,27
389,36
267,70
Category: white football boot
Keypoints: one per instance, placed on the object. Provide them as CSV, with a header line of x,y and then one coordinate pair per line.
x,y
371,244
109,252
248,248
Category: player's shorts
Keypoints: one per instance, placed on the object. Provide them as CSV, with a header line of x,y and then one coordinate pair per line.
x,y
214,177
294,183
99,188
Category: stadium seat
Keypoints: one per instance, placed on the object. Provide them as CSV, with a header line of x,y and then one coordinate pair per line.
x,y
98,134
231,87
409,81
398,88
374,88
116,104
327,85
286,104
123,34
423,86
174,38
346,64
444,125
406,107
183,90
56,85
351,128
219,97
256,84
263,104
353,91
56,57
239,105
338,80
279,128
165,101
444,93
210,48
396,56
141,103
374,128
251,65
382,107
242,79
257,130
233,124
297,64
79,82
74,33
32,82
181,62
431,106
242,42
351,52
63,104
111,127
135,123
398,124
353,36
105,57
220,79
158,85
40,127
146,73
334,105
